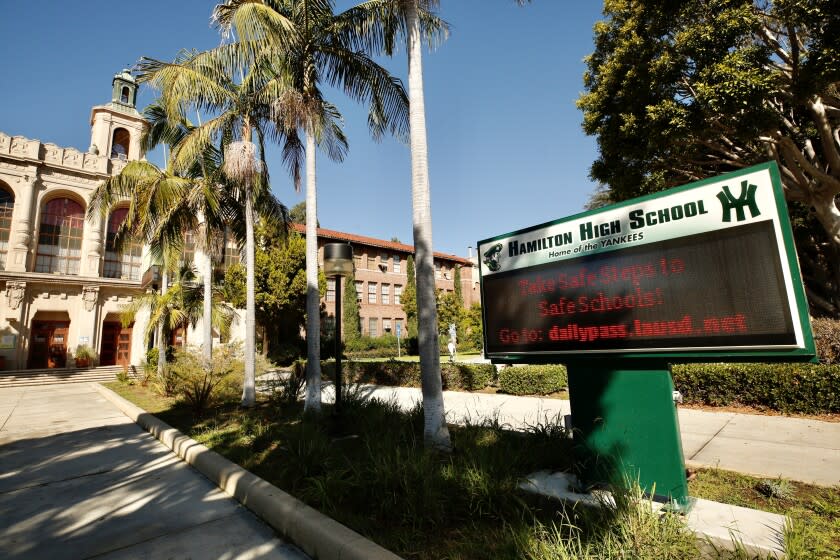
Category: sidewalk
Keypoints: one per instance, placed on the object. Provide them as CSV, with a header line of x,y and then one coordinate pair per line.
x,y
768,446
78,479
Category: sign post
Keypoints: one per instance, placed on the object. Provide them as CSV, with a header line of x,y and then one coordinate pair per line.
x,y
703,272
399,328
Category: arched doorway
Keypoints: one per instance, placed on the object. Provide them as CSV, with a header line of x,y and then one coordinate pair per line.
x,y
48,340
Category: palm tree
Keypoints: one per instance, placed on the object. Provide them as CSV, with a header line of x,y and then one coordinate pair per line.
x,y
239,111
311,45
177,306
392,22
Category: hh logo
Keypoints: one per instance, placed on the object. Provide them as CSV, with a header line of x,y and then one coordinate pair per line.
x,y
492,256
746,198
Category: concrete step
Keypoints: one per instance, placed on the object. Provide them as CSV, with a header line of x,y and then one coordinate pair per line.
x,y
34,377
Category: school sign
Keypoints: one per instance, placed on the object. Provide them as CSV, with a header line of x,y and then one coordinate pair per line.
x,y
700,271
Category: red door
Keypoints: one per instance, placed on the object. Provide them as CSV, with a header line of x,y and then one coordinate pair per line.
x,y
48,344
116,345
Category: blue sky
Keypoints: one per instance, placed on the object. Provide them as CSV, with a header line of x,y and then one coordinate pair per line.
x,y
506,150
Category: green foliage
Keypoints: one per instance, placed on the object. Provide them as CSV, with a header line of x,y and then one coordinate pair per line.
x,y
467,377
450,311
472,329
800,388
533,380
280,287
827,339
352,324
200,387
409,299
364,346
680,91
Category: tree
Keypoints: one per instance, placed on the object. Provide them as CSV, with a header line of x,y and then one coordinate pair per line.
x,y
314,47
450,311
471,327
408,22
408,300
352,324
456,278
180,305
679,91
279,288
238,103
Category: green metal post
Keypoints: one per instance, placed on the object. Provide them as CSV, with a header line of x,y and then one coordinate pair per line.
x,y
626,427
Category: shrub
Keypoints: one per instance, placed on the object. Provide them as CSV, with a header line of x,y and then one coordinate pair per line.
x,y
469,377
533,380
199,387
802,388
827,339
384,346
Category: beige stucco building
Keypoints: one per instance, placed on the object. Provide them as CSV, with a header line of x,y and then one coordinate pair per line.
x,y
61,285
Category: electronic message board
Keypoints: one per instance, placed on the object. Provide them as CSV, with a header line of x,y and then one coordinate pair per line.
x,y
707,269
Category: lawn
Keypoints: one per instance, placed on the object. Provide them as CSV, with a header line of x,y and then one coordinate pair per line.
x,y
371,473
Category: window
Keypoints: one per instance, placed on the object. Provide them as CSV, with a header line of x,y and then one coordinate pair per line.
x,y
329,324
372,326
386,294
386,326
60,237
359,290
358,259
126,263
119,144
330,289
189,247
397,264
371,292
397,295
124,95
7,205
383,262
437,270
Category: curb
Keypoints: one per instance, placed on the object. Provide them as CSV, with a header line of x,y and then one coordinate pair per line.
x,y
319,536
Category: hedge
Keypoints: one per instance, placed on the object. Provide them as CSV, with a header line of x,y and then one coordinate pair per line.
x,y
801,388
533,380
467,377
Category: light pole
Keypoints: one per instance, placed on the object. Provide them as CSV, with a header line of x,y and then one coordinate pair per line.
x,y
338,262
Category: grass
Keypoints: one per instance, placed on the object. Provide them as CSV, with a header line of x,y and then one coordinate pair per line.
x,y
372,473
813,510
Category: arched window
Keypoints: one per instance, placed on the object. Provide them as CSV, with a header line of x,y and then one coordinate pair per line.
x,y
124,95
60,237
119,143
125,264
7,204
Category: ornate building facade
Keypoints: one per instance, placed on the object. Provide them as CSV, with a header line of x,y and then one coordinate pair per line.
x,y
62,283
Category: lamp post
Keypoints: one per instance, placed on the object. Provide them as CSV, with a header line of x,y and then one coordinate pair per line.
x,y
338,262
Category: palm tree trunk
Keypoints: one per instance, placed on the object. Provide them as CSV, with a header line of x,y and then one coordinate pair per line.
x,y
249,396
435,432
207,325
161,344
313,299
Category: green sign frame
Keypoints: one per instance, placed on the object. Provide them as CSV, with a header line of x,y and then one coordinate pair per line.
x,y
693,219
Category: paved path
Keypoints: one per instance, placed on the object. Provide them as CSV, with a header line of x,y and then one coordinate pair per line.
x,y
78,479
770,446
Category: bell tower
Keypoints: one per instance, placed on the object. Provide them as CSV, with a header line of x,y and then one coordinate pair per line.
x,y
116,127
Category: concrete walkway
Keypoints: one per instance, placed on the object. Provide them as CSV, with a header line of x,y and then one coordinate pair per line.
x,y
78,479
768,446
